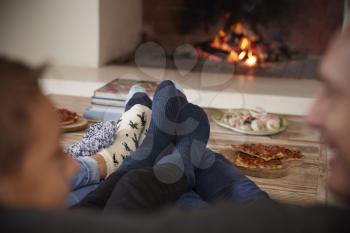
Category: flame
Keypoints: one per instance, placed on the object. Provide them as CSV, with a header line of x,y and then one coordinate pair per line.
x,y
233,57
216,42
237,28
222,33
242,55
220,41
245,43
251,60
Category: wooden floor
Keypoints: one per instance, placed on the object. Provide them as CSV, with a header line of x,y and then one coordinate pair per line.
x,y
304,185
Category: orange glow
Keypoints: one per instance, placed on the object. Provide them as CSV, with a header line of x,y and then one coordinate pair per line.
x,y
233,57
245,43
222,33
226,47
237,28
216,42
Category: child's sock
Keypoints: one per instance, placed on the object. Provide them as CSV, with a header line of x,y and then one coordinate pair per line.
x,y
193,134
167,103
130,127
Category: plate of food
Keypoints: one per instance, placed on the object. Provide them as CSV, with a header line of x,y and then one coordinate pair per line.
x,y
264,161
250,121
71,121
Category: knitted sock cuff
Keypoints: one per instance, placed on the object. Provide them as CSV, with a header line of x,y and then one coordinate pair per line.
x,y
109,161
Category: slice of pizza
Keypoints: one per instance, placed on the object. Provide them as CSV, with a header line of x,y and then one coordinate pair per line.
x,y
253,162
292,154
265,152
66,116
270,152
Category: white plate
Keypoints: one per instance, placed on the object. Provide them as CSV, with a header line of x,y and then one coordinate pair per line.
x,y
259,133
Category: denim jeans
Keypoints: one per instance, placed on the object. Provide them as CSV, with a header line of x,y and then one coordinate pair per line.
x,y
85,181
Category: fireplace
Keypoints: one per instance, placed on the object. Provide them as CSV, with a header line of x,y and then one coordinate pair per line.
x,y
283,38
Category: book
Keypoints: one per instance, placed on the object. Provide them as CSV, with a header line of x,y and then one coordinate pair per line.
x,y
107,102
103,113
119,88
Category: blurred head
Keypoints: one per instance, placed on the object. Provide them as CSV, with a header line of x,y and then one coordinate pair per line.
x,y
330,114
34,171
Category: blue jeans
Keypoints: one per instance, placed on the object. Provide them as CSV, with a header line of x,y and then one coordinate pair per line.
x,y
85,181
219,182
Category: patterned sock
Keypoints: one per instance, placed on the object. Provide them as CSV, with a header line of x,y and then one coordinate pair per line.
x,y
192,136
130,127
167,103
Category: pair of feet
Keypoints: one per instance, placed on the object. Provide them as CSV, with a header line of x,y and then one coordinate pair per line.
x,y
178,134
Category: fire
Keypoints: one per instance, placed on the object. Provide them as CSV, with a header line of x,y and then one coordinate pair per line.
x,y
238,43
245,43
251,60
232,57
242,55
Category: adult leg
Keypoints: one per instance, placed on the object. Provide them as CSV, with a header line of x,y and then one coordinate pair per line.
x,y
77,195
191,200
222,182
171,176
142,190
167,103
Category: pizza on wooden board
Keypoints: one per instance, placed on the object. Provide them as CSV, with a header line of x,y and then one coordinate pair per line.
x,y
269,152
252,162
67,117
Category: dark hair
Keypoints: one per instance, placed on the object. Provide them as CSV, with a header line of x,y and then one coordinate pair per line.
x,y
19,87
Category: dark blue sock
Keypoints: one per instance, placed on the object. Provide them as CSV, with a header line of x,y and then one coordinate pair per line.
x,y
167,103
139,98
192,137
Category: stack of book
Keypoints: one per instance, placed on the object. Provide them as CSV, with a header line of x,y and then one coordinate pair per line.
x,y
108,102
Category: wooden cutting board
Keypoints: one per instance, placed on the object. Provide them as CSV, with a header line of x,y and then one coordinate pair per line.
x,y
79,125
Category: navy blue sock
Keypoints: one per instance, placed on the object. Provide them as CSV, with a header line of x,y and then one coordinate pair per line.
x,y
139,98
191,142
167,103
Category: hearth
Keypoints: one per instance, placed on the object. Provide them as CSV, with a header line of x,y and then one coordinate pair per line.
x,y
283,38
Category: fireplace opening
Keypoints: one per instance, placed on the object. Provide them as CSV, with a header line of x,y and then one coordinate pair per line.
x,y
283,38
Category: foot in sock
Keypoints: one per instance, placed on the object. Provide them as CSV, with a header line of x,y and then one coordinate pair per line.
x,y
137,95
191,142
167,103
129,135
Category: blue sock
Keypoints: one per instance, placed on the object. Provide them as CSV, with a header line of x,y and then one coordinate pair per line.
x,y
191,142
139,98
178,86
137,88
160,138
